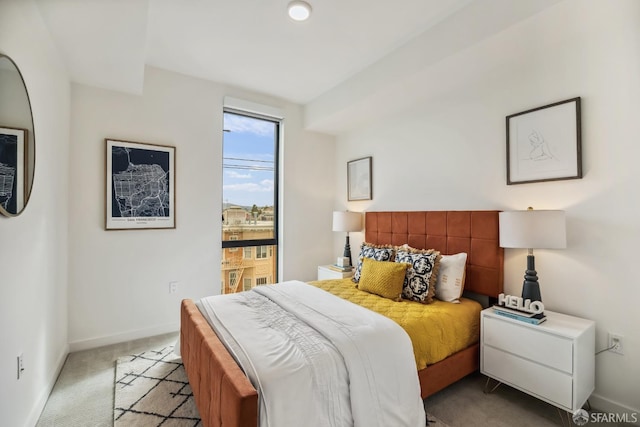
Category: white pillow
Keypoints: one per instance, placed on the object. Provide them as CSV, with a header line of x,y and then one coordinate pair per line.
x,y
450,283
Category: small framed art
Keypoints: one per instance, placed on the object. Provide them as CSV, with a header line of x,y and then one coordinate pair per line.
x,y
12,169
359,179
140,186
544,144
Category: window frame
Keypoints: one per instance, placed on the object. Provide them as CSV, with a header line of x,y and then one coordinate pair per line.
x,y
244,253
262,252
274,241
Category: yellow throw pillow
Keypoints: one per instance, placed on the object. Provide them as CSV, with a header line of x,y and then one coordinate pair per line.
x,y
382,278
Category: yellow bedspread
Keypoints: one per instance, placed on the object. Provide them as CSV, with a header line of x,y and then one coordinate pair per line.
x,y
436,330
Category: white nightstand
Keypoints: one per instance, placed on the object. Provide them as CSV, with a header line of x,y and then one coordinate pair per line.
x,y
324,273
553,361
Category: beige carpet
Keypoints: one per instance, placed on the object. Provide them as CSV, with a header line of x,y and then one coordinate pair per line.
x,y
83,395
434,422
151,389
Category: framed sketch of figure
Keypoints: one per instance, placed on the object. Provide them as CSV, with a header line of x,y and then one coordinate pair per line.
x,y
544,144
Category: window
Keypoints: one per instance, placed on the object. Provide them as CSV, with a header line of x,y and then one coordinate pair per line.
x,y
261,252
233,237
232,279
246,285
250,196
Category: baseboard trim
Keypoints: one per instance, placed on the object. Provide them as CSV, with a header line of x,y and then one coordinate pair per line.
x,y
125,336
41,402
602,404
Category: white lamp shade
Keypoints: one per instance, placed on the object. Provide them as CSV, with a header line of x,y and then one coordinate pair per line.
x,y
347,221
533,229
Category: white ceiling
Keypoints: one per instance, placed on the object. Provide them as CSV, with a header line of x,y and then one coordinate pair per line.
x,y
254,44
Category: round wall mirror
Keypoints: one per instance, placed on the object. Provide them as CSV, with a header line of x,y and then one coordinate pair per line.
x,y
17,141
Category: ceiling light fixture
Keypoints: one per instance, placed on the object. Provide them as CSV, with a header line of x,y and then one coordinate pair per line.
x,y
299,10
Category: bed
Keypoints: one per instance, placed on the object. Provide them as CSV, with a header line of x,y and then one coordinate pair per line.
x,y
224,395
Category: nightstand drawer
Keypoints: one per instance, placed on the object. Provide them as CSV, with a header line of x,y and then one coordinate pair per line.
x,y
527,341
548,384
325,272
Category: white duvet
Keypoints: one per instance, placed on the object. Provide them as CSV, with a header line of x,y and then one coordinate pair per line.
x,y
318,360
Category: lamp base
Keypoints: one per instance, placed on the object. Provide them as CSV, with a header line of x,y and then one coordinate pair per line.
x,y
347,252
530,286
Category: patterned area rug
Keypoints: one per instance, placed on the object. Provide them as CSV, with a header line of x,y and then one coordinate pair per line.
x,y
151,389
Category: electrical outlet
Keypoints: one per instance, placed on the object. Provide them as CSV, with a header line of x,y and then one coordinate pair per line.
x,y
173,287
615,343
20,366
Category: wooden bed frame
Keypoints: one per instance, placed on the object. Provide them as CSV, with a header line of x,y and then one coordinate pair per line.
x,y
226,398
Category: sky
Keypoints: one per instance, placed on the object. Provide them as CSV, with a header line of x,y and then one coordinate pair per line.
x,y
248,161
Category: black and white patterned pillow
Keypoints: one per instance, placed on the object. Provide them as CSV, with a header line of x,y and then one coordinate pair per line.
x,y
377,252
420,279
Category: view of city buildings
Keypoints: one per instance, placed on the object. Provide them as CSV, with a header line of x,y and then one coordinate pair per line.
x,y
246,267
249,241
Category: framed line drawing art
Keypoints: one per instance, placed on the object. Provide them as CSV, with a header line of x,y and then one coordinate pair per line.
x,y
140,186
12,169
544,144
359,179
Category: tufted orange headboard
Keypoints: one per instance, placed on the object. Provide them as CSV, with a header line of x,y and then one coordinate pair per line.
x,y
450,232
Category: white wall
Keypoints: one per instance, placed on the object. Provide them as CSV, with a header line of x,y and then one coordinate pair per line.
x,y
33,253
453,140
448,152
119,280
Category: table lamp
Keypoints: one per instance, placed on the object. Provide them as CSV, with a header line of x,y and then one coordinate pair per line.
x,y
532,229
347,221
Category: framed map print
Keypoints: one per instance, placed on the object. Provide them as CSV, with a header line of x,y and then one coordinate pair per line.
x,y
12,169
140,186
